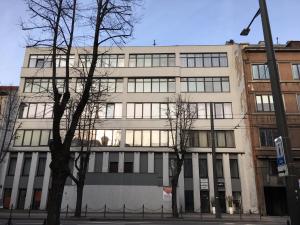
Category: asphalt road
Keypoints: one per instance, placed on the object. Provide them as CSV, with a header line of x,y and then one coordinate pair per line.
x,y
36,222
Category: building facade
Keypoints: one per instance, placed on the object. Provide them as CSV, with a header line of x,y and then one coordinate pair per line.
x,y
262,121
130,164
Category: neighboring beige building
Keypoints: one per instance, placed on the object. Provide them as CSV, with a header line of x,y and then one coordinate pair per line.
x,y
132,167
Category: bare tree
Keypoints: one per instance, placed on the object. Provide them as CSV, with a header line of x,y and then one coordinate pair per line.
x,y
180,116
8,124
59,25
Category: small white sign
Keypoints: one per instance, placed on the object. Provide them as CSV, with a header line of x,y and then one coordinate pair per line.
x,y
281,162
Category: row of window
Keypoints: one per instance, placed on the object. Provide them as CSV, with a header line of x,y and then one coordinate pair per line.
x,y
204,60
159,110
104,60
145,138
151,85
261,72
135,60
40,61
205,84
33,85
164,138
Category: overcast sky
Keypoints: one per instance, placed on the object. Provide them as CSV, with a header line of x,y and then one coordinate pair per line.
x,y
169,22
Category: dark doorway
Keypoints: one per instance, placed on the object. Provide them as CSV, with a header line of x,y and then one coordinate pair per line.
x,y
37,195
21,198
6,198
189,201
222,201
275,198
204,201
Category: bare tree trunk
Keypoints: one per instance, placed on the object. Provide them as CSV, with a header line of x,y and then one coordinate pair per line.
x,y
79,200
174,197
55,197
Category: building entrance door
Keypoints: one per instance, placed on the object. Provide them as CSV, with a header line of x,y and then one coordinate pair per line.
x,y
222,201
204,201
189,201
275,198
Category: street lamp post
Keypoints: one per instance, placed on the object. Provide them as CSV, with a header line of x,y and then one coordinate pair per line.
x,y
292,189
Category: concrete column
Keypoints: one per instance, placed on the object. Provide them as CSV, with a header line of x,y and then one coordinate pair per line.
x,y
3,172
196,182
14,193
150,162
91,167
136,162
46,180
227,178
210,175
165,169
32,172
121,162
180,190
105,159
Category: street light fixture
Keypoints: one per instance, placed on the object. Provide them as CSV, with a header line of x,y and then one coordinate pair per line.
x,y
292,189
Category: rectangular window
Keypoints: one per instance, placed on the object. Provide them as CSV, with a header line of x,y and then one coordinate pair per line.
x,y
26,166
154,85
264,103
128,167
219,167
188,168
296,71
203,173
201,138
205,84
203,60
234,168
151,60
103,60
41,166
267,136
12,165
113,167
260,72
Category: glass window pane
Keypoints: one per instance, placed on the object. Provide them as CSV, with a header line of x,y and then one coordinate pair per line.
x,y
147,85
199,62
255,72
111,87
139,85
130,110
40,110
121,61
118,110
164,138
28,85
192,85
140,61
155,60
31,111
23,110
163,110
131,85
258,103
208,85
129,137
219,168
148,61
171,60
265,101
207,61
116,138
230,143
35,138
215,62
19,137
163,85
219,111
221,139
183,61
155,138
200,85
203,141
155,85
223,61
108,134
225,84
119,85
171,85
227,110
137,138
48,110
271,102
132,60
110,110
163,60
27,137
217,85
296,71
201,111
146,138
191,62
32,61
138,110
102,110
44,137
183,85
155,110
36,85
146,110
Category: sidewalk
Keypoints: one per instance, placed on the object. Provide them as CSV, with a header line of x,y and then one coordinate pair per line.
x,y
99,216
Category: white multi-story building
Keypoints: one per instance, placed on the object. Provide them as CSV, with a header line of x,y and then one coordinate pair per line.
x,y
131,166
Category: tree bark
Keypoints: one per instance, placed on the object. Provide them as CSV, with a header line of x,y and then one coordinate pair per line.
x,y
55,197
79,199
174,197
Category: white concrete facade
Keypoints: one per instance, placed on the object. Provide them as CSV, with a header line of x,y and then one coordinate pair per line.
x,y
153,163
